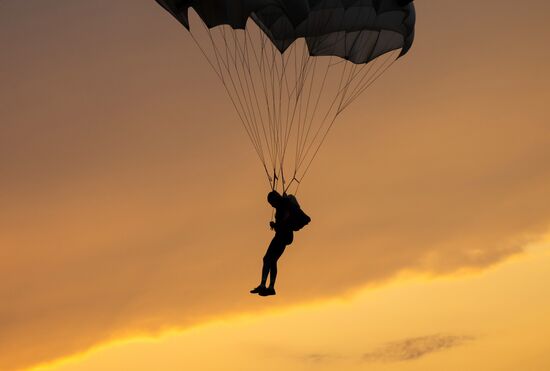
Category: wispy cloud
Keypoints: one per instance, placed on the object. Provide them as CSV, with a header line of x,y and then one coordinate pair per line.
x,y
408,349
320,357
414,348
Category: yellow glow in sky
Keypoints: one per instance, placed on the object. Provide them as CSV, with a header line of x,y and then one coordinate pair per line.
x,y
495,320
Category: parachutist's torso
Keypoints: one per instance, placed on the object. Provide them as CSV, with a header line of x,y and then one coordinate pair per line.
x,y
282,220
282,216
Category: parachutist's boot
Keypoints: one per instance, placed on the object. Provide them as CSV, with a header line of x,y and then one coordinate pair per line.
x,y
268,292
258,290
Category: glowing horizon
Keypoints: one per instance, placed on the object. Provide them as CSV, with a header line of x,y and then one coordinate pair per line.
x,y
383,356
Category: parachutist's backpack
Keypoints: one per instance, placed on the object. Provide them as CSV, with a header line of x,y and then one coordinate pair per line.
x,y
298,219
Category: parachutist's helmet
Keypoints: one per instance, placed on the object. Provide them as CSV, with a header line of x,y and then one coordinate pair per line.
x,y
274,198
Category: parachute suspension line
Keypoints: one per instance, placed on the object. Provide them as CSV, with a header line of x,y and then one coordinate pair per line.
x,y
250,113
283,121
266,133
310,125
344,101
234,96
244,63
275,180
219,73
262,123
287,123
269,136
265,83
301,137
292,95
284,118
304,129
304,149
301,71
275,88
281,99
302,157
302,79
379,72
372,80
301,111
299,101
267,71
279,109
282,124
304,122
345,90
231,61
274,93
273,101
290,92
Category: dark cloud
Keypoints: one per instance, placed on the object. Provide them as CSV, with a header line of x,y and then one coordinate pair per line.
x,y
414,348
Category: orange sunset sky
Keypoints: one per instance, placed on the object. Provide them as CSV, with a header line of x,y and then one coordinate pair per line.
x,y
133,217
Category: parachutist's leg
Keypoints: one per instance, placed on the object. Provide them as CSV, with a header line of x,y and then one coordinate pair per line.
x,y
265,271
273,274
278,250
268,260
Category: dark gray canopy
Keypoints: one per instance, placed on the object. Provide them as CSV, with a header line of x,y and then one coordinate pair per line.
x,y
234,13
356,30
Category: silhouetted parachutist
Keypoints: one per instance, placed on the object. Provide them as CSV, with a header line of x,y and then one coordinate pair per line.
x,y
289,218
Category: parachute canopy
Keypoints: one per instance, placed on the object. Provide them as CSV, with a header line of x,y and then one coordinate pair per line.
x,y
234,13
297,66
357,30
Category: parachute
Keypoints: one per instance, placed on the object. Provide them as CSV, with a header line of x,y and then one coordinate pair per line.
x,y
291,67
